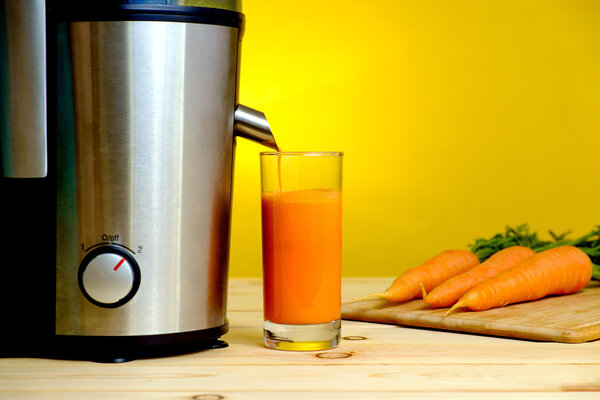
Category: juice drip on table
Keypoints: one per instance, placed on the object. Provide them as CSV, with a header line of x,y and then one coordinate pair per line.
x,y
302,250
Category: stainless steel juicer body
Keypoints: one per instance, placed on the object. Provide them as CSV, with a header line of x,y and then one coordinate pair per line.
x,y
150,158
143,112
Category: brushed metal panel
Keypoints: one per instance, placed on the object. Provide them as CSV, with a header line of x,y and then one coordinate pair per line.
x,y
154,105
24,146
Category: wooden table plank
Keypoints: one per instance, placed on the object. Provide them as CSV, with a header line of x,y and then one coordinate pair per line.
x,y
314,395
300,378
391,362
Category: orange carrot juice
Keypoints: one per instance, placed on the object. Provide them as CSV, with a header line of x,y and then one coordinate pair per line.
x,y
302,255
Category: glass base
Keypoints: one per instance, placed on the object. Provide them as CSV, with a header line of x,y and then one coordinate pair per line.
x,y
302,337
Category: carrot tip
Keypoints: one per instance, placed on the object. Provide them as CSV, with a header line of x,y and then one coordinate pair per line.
x,y
423,291
458,304
369,296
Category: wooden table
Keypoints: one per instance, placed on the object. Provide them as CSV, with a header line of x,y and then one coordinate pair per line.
x,y
374,361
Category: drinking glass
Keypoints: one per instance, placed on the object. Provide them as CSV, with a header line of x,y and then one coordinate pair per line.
x,y
302,249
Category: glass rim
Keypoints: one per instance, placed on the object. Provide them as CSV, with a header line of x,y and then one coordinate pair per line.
x,y
303,153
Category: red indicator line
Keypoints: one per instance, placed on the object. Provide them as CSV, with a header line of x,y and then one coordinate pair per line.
x,y
119,264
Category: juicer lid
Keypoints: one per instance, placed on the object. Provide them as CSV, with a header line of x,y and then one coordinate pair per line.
x,y
230,5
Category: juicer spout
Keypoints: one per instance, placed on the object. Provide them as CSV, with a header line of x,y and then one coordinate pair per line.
x,y
252,124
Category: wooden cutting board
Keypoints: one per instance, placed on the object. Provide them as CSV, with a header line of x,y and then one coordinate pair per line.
x,y
573,318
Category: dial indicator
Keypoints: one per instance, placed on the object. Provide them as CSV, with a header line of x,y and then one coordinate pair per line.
x,y
119,264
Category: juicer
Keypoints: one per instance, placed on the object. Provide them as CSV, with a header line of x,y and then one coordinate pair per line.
x,y
118,122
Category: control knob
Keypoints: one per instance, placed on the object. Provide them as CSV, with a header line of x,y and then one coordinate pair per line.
x,y
109,277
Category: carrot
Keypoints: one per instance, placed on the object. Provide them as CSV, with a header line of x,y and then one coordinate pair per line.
x,y
560,270
450,291
431,273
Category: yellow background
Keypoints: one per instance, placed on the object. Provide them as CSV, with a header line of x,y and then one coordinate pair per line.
x,y
456,117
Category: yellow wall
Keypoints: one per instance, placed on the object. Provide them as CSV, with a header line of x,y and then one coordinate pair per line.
x,y
456,117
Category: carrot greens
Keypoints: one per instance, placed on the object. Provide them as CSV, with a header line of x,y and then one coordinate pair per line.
x,y
521,236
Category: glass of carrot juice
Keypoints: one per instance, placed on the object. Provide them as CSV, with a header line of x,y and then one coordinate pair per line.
x,y
302,249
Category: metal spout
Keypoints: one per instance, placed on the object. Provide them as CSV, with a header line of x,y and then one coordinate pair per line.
x,y
252,124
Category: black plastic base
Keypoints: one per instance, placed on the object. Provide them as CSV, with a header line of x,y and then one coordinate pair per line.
x,y
114,349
